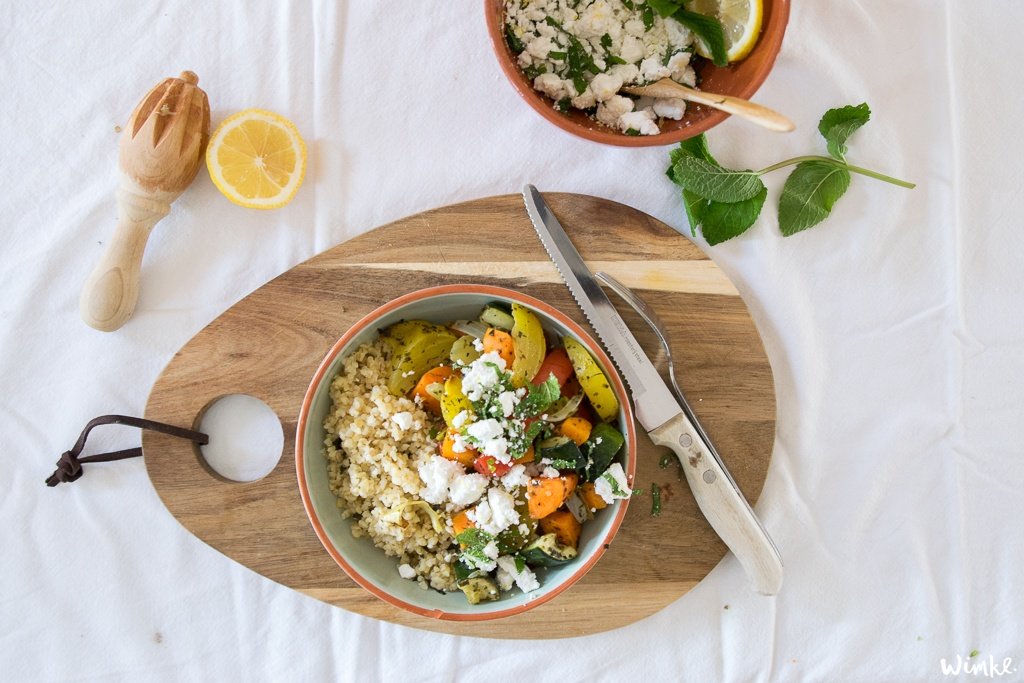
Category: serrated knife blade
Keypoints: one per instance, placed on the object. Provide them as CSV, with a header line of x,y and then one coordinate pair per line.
x,y
658,411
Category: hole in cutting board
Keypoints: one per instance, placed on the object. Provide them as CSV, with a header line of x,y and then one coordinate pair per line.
x,y
246,437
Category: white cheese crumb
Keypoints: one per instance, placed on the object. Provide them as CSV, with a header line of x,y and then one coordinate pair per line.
x,y
515,478
461,419
481,375
403,420
641,121
406,571
525,579
467,488
437,474
549,472
603,486
508,401
496,513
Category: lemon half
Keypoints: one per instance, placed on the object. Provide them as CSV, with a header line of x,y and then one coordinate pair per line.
x,y
741,23
257,159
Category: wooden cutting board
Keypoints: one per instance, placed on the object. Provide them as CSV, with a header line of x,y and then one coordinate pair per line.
x,y
269,344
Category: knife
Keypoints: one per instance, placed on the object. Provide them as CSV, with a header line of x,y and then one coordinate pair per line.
x,y
661,415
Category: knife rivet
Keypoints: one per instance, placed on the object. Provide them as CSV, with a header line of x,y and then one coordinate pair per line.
x,y
709,476
685,440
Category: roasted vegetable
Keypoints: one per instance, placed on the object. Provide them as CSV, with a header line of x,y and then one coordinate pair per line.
x,y
546,551
453,400
556,363
600,449
562,453
564,526
593,380
528,336
497,315
430,388
545,495
501,343
513,539
418,347
465,458
577,429
461,522
464,351
479,589
590,497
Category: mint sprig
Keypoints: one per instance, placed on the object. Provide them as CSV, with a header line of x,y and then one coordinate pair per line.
x,y
724,203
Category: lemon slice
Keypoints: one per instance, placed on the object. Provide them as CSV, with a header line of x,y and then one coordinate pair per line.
x,y
257,159
741,23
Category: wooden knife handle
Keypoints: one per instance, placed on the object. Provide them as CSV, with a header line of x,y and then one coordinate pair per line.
x,y
723,505
112,289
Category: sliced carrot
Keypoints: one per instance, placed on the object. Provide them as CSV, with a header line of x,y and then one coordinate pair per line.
x,y
590,497
497,340
436,376
556,363
564,526
465,458
577,429
526,457
545,495
461,522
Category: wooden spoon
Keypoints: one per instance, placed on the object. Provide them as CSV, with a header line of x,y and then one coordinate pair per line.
x,y
160,151
755,113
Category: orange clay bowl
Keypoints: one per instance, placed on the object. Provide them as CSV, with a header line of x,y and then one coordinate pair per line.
x,y
741,79
370,567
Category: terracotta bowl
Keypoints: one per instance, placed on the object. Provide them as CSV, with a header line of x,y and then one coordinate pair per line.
x,y
370,567
739,80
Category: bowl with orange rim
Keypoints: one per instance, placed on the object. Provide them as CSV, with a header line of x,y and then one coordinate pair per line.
x,y
368,565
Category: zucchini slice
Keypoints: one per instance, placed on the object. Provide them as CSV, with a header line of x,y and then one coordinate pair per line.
x,y
563,453
479,589
498,316
600,449
546,551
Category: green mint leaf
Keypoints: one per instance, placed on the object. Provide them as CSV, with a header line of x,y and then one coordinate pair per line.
x,y
534,70
711,181
539,397
554,54
606,41
648,17
632,131
721,221
665,8
613,60
838,124
707,29
514,43
629,5
809,194
695,206
696,147
520,563
474,539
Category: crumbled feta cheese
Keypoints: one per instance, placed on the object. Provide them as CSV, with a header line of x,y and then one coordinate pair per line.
x,y
403,420
551,85
609,111
467,488
605,86
632,50
670,108
549,472
508,401
505,580
461,419
540,46
437,474
478,345
641,121
496,513
482,374
487,562
612,484
515,478
526,580
406,571
677,64
484,430
651,69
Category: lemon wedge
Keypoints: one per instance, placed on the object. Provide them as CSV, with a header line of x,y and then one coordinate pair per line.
x,y
741,23
257,159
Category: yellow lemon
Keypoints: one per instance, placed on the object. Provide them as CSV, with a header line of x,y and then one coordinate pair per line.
x,y
741,23
257,159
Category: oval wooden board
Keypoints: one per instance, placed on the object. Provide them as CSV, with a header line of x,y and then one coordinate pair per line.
x,y
269,344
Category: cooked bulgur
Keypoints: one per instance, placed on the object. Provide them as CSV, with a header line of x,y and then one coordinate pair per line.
x,y
374,443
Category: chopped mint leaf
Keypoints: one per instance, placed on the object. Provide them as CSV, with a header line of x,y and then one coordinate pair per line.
x,y
534,70
647,14
514,43
520,563
555,54
632,131
606,41
539,397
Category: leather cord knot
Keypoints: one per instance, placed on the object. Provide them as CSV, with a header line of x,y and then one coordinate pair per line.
x,y
69,467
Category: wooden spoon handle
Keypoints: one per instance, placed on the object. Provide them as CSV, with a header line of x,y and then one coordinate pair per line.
x,y
751,111
112,289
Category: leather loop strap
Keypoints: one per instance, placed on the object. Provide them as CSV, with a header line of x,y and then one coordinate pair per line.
x,y
69,467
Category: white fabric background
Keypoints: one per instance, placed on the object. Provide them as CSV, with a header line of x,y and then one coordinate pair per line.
x,y
894,331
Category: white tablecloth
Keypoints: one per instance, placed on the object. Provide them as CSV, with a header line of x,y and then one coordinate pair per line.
x,y
894,331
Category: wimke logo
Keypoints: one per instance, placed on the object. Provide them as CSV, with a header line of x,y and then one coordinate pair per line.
x,y
977,667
